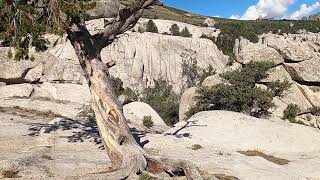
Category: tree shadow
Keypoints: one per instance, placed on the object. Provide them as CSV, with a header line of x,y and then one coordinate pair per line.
x,y
81,130
182,135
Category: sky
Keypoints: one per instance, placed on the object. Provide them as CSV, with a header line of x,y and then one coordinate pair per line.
x,y
249,9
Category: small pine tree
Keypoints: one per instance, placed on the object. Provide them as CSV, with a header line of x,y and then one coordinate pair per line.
x,y
185,32
151,27
174,29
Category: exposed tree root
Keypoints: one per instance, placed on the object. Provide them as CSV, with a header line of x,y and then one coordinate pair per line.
x,y
156,167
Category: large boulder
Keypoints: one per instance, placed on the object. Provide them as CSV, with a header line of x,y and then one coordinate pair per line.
x,y
135,112
62,92
212,140
212,81
277,73
186,102
306,71
14,72
312,93
140,58
64,71
209,22
291,50
34,74
17,90
104,9
293,96
249,51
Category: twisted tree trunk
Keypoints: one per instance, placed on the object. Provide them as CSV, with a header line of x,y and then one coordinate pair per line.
x,y
128,158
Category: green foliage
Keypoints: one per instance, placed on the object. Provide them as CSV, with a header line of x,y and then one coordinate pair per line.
x,y
21,53
23,24
163,100
147,121
240,95
315,111
174,29
279,87
196,147
212,38
117,85
291,112
145,177
185,32
151,27
249,74
118,88
195,74
249,100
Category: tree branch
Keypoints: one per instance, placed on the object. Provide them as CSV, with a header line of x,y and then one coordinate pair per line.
x,y
126,19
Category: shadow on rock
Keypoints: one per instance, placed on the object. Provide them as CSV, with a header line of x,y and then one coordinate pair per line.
x,y
182,135
80,130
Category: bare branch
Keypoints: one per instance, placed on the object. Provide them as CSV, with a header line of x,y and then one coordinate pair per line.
x,y
126,19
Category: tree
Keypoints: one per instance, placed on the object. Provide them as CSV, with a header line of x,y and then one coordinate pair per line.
x,y
151,27
185,32
24,24
174,29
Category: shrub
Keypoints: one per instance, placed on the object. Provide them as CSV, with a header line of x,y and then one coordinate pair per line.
x,y
249,100
10,172
118,88
196,147
315,111
185,32
240,95
163,100
278,88
147,121
117,85
195,74
151,27
174,29
212,38
145,177
20,54
291,112
249,74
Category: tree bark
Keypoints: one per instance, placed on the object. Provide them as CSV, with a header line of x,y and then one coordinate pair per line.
x,y
127,156
124,152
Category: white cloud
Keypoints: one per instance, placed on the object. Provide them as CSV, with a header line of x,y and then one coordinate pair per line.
x,y
304,11
235,17
266,9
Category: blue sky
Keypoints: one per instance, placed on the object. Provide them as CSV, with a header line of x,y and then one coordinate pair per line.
x,y
290,9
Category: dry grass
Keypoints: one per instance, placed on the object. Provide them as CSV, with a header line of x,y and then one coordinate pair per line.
x,y
28,112
10,172
47,157
273,159
225,177
196,147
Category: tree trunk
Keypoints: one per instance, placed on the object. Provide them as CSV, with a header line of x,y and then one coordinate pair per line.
x,y
127,156
124,152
